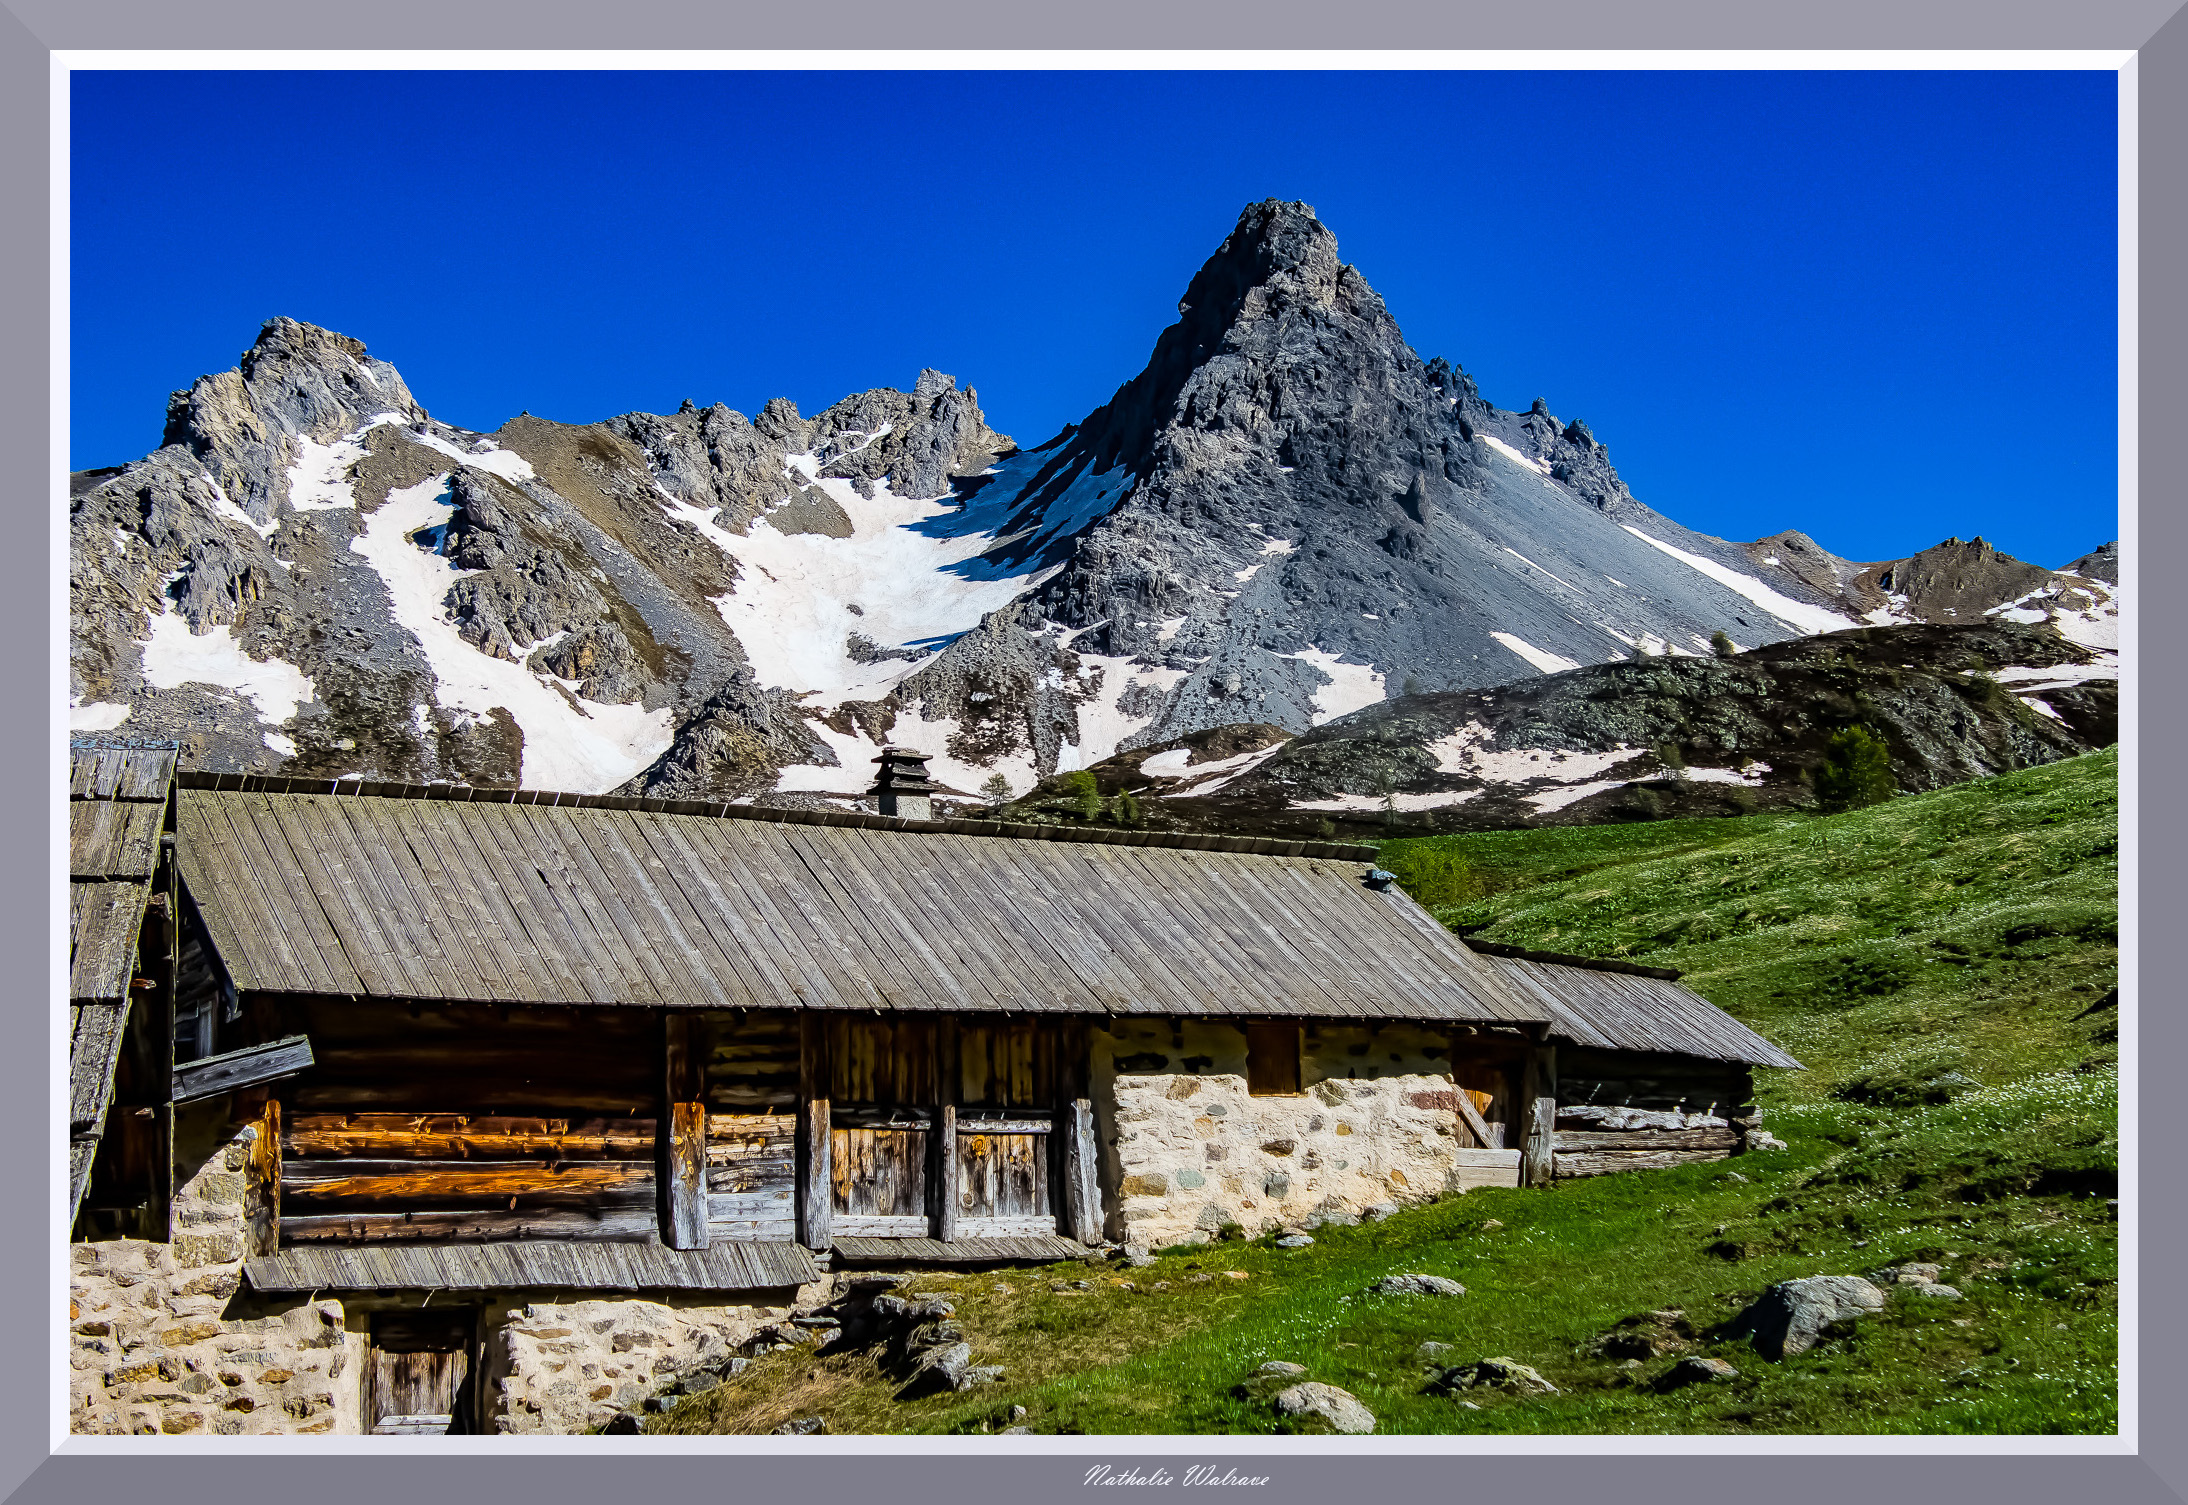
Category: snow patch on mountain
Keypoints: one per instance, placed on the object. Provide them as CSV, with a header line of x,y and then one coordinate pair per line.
x,y
1207,778
1102,726
1539,467
1547,662
319,478
175,656
1465,752
1795,614
908,580
570,743
1350,687
1405,802
95,717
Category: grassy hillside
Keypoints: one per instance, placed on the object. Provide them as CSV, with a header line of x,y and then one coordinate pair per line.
x,y
1924,958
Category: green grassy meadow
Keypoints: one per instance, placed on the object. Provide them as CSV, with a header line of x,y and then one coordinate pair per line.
x,y
1926,959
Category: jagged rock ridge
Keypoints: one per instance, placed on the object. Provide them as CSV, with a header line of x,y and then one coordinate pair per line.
x,y
1287,516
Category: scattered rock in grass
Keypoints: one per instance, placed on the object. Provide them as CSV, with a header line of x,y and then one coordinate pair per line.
x,y
1380,1211
1017,1413
1003,1290
803,1426
1646,1335
941,1368
1434,1353
1763,1139
1921,1280
1494,1374
624,1424
1492,1224
1315,1406
1016,1432
1416,1285
1734,1176
1694,1369
1082,1285
1160,1285
1632,1347
1281,1367
1136,1257
1126,1285
1202,1275
980,1374
1791,1316
1471,1405
1295,1241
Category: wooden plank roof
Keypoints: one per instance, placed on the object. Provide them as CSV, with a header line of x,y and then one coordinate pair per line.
x,y
574,1264
1622,1010
500,901
117,806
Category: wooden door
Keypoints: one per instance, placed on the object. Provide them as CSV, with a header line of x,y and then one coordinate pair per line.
x,y
420,1365
1488,1085
879,1173
1003,1179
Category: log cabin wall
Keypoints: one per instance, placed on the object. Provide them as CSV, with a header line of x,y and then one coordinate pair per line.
x,y
455,1123
1632,1110
750,1084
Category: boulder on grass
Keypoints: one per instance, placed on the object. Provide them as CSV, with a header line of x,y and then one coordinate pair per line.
x,y
1695,1370
1793,1315
1416,1285
1499,1373
1314,1406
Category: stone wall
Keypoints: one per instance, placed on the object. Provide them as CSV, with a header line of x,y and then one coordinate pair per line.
x,y
155,1341
1187,1149
570,1365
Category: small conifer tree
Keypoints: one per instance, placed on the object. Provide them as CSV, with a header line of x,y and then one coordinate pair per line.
x,y
996,791
1856,770
1722,645
1086,794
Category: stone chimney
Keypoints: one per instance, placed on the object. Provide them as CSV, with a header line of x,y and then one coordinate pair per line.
x,y
902,787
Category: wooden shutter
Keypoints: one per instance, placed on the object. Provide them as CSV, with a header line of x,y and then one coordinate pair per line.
x,y
1272,1059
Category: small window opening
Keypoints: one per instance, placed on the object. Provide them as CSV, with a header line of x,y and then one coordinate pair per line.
x,y
1272,1059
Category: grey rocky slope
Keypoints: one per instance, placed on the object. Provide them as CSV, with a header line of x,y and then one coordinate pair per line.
x,y
1286,517
1664,737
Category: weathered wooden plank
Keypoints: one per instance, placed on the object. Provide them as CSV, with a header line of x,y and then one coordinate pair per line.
x,y
455,1136
879,1172
574,877
111,839
104,922
1572,1141
620,1266
405,954
474,946
951,1173
211,1075
96,1032
146,774
1082,1202
679,942
292,847
685,1206
1605,1162
1538,1115
631,1222
816,1177
569,965
750,951
774,895
316,1186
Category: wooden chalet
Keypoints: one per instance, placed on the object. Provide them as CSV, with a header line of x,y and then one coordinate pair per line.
x,y
507,1041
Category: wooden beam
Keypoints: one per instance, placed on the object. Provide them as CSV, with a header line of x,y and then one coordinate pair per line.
x,y
949,1082
262,1186
1082,1173
684,1148
816,1188
235,1069
946,1179
1538,1116
1079,1156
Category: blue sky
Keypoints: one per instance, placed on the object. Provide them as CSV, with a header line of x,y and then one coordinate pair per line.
x,y
1877,307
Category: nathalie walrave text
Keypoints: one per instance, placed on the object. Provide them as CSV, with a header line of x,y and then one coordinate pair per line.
x,y
1162,1478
